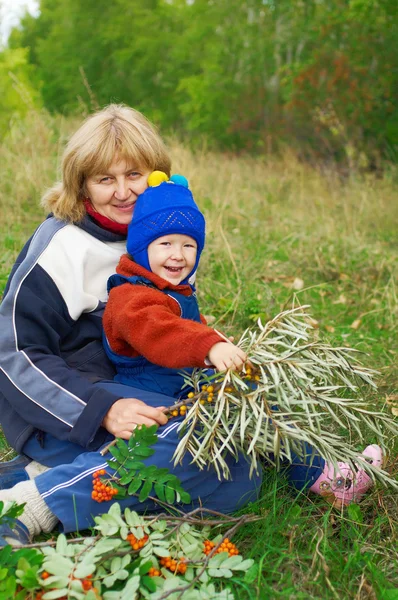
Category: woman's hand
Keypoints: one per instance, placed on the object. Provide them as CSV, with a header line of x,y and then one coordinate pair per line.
x,y
125,414
224,355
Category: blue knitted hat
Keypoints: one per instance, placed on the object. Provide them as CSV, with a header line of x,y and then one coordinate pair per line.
x,y
164,209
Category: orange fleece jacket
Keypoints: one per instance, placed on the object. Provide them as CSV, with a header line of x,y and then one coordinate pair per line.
x,y
143,321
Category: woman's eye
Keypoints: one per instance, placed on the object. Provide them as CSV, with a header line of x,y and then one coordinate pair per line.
x,y
105,179
134,174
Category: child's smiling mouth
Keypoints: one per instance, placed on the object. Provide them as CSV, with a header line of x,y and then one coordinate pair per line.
x,y
174,269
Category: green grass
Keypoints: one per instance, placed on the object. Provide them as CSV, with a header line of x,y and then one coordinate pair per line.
x,y
278,233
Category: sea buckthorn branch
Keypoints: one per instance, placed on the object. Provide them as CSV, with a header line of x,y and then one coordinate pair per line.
x,y
179,408
295,390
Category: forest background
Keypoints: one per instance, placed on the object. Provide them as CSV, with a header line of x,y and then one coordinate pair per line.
x,y
318,76
283,116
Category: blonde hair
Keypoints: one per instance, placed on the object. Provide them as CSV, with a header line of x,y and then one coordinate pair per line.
x,y
116,129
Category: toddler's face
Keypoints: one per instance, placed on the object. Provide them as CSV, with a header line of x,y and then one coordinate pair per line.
x,y
172,257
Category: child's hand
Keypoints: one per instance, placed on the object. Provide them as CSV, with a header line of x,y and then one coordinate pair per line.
x,y
223,356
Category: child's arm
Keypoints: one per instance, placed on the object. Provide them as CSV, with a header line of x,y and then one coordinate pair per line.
x,y
141,321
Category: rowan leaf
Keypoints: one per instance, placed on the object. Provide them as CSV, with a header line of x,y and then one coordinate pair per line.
x,y
143,451
146,490
160,491
134,486
170,494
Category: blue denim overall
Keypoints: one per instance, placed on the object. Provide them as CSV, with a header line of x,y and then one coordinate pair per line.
x,y
140,372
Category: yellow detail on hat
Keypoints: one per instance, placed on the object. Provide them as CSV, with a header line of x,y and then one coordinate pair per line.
x,y
156,178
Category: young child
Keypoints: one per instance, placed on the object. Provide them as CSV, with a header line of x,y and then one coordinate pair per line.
x,y
153,328
152,324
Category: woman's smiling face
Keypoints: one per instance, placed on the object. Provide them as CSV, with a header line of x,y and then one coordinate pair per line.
x,y
113,194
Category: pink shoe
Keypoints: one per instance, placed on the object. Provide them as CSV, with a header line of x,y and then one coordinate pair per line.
x,y
345,486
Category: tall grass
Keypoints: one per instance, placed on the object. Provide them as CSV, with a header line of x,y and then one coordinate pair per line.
x,y
278,232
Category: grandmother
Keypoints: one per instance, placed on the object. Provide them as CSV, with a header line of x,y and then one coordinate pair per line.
x,y
58,403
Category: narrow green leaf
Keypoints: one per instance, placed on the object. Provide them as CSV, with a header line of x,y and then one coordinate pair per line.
x,y
133,464
143,451
126,479
121,444
170,494
134,486
185,498
146,490
159,491
149,583
116,454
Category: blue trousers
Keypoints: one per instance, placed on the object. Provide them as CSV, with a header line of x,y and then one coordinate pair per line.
x,y
67,486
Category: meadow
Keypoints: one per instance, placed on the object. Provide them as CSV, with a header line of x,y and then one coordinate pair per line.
x,y
279,233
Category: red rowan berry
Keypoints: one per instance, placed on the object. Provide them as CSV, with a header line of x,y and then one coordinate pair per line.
x,y
225,546
135,543
87,584
103,491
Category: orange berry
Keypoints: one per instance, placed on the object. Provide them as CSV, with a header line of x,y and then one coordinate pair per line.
x,y
87,584
45,575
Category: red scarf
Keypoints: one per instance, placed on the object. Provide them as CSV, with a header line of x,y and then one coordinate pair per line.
x,y
104,222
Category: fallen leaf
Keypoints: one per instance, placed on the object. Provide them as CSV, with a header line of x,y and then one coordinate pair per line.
x,y
356,324
298,284
209,319
340,300
392,399
272,278
330,328
343,277
392,402
313,322
287,280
